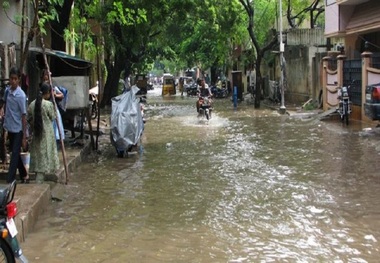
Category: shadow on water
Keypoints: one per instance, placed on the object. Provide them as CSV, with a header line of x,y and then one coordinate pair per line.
x,y
247,186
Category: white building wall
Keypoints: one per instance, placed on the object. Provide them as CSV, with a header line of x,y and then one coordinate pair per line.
x,y
10,32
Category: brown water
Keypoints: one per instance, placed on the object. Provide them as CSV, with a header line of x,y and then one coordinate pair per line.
x,y
249,186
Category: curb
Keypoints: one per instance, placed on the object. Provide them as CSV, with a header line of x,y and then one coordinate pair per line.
x,y
34,199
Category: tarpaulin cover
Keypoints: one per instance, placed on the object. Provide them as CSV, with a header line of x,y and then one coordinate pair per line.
x,y
126,120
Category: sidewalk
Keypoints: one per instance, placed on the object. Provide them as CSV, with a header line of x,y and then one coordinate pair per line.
x,y
33,199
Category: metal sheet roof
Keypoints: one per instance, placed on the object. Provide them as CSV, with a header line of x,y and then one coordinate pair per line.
x,y
59,54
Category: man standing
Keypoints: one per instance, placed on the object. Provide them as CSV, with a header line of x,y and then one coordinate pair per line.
x,y
15,124
181,82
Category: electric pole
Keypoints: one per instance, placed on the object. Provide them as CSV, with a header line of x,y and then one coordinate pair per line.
x,y
282,107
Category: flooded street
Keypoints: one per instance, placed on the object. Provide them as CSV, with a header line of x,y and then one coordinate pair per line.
x,y
249,186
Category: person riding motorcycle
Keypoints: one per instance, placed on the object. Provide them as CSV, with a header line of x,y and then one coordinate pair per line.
x,y
203,91
219,83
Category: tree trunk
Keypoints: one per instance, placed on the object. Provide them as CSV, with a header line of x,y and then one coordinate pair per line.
x,y
112,82
258,81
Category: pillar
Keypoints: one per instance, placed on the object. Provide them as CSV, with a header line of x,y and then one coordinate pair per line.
x,y
366,63
325,63
340,69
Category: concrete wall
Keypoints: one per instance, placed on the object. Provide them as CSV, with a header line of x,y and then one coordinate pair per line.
x,y
303,66
10,32
10,21
302,54
317,66
305,36
298,72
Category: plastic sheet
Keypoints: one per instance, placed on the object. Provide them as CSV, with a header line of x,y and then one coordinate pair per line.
x,y
126,120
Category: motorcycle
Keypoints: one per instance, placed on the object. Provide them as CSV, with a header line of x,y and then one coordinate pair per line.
x,y
9,247
127,121
219,92
93,98
205,108
191,89
150,85
344,106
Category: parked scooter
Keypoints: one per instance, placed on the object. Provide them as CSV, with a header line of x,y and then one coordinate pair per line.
x,y
9,247
191,89
127,121
344,107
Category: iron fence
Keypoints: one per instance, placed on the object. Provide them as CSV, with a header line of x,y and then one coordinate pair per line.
x,y
376,60
352,76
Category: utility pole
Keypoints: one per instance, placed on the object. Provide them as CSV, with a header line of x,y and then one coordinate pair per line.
x,y
282,107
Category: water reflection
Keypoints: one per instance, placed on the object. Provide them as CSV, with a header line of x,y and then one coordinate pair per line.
x,y
248,186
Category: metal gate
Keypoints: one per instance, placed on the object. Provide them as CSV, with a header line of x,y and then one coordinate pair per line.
x,y
352,76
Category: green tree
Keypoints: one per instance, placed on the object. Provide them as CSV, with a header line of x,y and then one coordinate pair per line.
x,y
132,31
183,33
260,14
298,11
205,33
186,32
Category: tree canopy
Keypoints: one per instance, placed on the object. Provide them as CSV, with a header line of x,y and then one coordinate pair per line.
x,y
301,11
259,12
134,34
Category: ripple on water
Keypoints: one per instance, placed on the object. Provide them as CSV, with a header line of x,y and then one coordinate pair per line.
x,y
248,187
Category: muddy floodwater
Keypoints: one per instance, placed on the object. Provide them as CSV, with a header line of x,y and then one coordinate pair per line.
x,y
248,186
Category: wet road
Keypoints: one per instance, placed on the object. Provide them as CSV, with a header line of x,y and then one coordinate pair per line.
x,y
249,186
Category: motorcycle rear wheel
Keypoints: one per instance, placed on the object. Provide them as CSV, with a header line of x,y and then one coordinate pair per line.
x,y
6,254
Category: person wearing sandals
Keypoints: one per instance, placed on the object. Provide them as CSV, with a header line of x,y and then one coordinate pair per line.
x,y
43,148
15,125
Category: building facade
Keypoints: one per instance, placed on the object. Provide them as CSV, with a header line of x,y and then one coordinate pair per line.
x,y
353,26
352,23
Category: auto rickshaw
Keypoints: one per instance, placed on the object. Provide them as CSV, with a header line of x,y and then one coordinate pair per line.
x,y
168,85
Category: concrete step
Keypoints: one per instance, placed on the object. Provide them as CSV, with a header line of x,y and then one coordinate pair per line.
x,y
34,199
330,113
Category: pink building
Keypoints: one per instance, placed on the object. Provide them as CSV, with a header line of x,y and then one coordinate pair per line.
x,y
352,23
355,26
